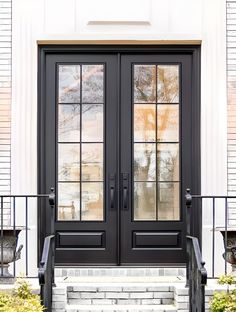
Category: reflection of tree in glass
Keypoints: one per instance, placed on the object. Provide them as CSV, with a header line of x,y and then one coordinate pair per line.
x,y
68,119
168,89
92,83
69,83
144,83
168,84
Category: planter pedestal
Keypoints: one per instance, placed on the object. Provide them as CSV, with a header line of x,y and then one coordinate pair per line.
x,y
230,246
8,253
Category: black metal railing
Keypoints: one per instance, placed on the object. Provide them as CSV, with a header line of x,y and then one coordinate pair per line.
x,y
215,210
17,213
197,276
46,272
218,222
196,272
46,266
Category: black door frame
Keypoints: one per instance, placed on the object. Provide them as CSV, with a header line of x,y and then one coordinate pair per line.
x,y
194,181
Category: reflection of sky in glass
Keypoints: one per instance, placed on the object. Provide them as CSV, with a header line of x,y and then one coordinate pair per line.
x,y
68,123
69,83
92,83
92,123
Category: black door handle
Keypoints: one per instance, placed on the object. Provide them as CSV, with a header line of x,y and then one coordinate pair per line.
x,y
112,187
125,198
112,197
125,195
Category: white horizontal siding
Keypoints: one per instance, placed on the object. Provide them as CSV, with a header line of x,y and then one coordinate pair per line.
x,y
5,103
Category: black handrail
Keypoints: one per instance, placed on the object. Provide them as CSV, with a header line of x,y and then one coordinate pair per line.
x,y
196,273
197,276
46,278
46,266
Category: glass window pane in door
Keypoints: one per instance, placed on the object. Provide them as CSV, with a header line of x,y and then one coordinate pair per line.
x,y
156,151
92,123
68,162
144,123
144,201
144,83
168,83
92,201
80,159
167,123
144,162
168,162
168,201
68,123
69,84
92,162
68,201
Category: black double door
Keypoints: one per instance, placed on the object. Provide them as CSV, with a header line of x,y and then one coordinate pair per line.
x,y
116,134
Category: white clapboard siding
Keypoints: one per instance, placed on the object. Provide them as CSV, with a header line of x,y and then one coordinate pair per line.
x,y
231,89
5,102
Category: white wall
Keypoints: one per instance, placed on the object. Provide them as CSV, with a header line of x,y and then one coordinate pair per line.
x,y
157,20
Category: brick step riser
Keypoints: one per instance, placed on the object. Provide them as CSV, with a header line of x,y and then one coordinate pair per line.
x,y
120,295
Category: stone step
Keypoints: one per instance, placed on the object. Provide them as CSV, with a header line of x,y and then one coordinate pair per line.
x,y
120,294
121,308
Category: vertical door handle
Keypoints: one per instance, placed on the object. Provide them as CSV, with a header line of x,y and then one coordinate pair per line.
x,y
112,186
112,197
125,195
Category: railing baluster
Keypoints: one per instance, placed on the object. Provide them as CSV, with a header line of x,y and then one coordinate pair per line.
x,y
213,237
226,234
1,235
26,235
14,231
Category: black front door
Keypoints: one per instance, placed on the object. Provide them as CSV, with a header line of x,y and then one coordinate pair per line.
x,y
116,133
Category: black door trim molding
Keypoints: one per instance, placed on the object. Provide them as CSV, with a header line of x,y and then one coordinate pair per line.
x,y
193,50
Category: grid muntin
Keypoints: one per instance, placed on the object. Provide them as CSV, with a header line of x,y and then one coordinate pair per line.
x,y
80,142
155,104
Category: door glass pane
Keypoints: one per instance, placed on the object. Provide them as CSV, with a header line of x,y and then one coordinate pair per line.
x,y
144,84
144,162
92,123
144,201
80,156
92,84
68,162
92,201
168,201
168,83
168,162
69,123
168,123
69,83
156,156
68,201
92,162
144,123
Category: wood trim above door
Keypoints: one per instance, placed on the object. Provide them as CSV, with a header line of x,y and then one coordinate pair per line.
x,y
120,42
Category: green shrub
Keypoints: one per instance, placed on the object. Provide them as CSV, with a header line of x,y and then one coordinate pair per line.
x,y
21,299
225,301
